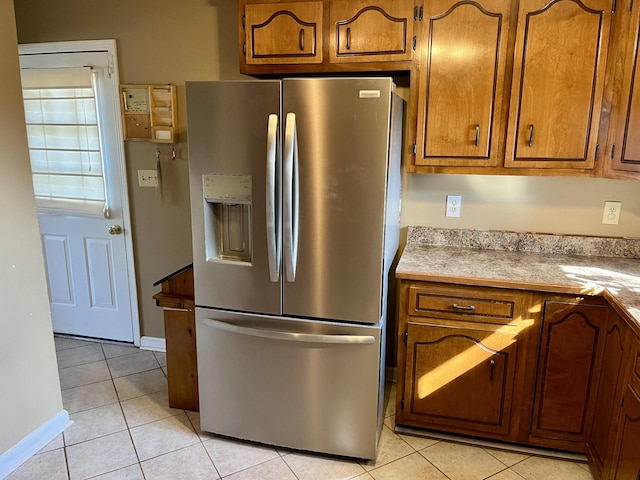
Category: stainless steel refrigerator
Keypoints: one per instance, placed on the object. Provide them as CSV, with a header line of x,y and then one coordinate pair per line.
x,y
295,205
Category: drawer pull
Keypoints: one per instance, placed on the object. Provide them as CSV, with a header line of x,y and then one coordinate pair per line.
x,y
470,308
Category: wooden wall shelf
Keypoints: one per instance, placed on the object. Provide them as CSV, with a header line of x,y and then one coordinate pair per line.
x,y
149,113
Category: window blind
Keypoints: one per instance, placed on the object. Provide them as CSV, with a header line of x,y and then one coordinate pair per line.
x,y
64,139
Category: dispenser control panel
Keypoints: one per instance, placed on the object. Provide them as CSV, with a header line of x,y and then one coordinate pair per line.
x,y
227,188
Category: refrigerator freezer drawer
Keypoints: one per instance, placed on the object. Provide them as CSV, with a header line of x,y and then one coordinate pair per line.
x,y
301,384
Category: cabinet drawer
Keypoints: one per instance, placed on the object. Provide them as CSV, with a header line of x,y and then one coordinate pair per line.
x,y
471,304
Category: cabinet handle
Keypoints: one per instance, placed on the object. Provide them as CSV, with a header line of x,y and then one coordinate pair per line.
x,y
302,39
469,308
530,142
492,363
477,133
348,38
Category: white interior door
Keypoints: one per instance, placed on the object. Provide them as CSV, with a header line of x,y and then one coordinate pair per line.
x,y
77,160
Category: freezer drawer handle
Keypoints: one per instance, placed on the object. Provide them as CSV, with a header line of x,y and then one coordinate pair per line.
x,y
273,213
290,197
291,336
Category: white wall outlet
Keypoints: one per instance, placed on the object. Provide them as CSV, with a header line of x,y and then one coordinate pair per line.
x,y
611,214
454,202
147,178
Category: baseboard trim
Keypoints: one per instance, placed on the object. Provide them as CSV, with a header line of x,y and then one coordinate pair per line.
x,y
153,343
33,443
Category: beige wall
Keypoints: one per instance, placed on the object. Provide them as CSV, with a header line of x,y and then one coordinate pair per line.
x,y
158,41
525,204
29,384
165,41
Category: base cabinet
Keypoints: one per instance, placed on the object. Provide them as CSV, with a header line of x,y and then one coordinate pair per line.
x,y
460,377
463,359
627,465
571,349
608,395
518,366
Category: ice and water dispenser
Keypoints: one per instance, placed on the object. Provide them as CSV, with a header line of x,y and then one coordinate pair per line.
x,y
227,218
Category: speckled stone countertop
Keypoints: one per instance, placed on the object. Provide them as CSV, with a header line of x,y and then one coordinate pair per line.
x,y
530,261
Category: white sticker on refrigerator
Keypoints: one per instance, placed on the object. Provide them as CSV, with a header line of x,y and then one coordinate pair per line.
x,y
369,93
221,188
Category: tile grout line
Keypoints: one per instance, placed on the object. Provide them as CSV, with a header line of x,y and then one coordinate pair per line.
x,y
126,422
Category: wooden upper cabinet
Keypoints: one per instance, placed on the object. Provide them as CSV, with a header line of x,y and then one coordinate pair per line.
x,y
558,81
325,36
283,33
461,82
625,137
365,31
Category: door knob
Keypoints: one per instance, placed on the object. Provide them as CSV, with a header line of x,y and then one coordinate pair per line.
x,y
115,229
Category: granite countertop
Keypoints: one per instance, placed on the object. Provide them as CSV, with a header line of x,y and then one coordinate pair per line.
x,y
539,262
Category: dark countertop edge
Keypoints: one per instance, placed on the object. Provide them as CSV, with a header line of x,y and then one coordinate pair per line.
x,y
171,275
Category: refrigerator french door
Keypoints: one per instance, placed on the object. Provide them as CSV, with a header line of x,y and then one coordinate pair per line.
x,y
295,198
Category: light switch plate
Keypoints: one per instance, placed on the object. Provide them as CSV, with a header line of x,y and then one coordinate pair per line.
x,y
147,178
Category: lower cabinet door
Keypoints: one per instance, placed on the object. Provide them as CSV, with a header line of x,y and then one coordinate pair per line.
x,y
628,459
571,350
607,403
460,379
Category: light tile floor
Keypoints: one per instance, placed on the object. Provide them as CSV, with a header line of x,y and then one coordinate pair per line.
x,y
124,429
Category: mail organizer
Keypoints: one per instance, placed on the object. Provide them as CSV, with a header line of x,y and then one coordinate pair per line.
x,y
149,113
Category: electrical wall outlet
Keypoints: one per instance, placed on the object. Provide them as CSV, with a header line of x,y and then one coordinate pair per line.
x,y
454,202
611,214
147,178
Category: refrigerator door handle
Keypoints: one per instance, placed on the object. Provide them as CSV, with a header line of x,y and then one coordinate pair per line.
x,y
273,213
290,197
291,336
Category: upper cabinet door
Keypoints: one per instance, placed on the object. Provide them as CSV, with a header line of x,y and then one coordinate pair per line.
x,y
365,31
625,136
558,80
461,82
283,33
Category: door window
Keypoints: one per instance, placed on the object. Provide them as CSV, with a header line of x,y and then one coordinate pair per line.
x,y
64,137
